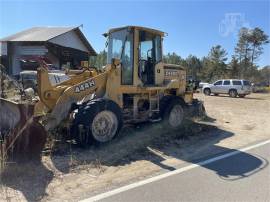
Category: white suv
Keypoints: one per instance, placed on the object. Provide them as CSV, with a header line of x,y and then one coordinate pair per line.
x,y
233,87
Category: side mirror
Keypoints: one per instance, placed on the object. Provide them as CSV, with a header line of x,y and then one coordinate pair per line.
x,y
115,62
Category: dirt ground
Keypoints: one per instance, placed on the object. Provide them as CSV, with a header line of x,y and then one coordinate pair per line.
x,y
139,152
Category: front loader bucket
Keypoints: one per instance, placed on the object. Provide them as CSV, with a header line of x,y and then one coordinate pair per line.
x,y
22,137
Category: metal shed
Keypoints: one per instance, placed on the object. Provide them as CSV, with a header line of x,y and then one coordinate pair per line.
x,y
60,46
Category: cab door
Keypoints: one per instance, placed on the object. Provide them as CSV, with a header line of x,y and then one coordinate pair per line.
x,y
150,55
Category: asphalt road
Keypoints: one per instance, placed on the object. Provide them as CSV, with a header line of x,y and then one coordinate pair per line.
x,y
241,177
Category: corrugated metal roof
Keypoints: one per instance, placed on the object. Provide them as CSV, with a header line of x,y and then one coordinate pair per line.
x,y
38,34
43,34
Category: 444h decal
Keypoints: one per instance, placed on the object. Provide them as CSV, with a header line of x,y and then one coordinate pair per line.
x,y
84,86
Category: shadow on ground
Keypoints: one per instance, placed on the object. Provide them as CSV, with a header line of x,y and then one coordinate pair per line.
x,y
194,142
31,179
150,142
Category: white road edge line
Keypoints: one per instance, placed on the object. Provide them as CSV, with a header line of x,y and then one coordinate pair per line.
x,y
168,174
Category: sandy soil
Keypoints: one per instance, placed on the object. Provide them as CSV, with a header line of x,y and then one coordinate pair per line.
x,y
71,174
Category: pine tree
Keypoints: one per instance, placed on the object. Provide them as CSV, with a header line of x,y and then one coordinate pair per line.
x,y
216,63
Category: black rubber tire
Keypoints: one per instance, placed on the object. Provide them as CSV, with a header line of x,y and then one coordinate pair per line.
x,y
207,91
233,93
241,96
81,127
167,103
215,94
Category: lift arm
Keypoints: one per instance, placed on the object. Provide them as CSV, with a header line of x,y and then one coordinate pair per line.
x,y
58,100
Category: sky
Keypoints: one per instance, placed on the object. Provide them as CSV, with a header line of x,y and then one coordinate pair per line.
x,y
193,27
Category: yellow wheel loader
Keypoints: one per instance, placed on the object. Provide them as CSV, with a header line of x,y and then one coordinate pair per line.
x,y
135,86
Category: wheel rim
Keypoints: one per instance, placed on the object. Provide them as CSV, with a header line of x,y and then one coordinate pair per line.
x,y
233,93
176,116
207,91
104,126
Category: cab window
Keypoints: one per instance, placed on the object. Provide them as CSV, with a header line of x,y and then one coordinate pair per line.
x,y
120,46
150,47
149,55
127,62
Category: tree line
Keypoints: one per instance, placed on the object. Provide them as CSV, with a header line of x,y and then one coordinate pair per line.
x,y
242,65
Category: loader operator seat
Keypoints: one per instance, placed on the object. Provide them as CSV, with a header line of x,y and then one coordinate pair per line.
x,y
150,71
146,71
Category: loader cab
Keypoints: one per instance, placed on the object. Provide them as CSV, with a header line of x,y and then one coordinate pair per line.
x,y
139,49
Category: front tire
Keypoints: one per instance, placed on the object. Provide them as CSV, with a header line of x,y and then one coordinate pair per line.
x,y
207,91
173,114
99,121
104,126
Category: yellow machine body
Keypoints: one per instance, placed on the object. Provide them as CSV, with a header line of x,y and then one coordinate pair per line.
x,y
84,85
130,88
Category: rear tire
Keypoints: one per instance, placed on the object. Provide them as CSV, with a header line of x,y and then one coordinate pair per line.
x,y
233,93
215,94
172,113
207,91
99,121
241,96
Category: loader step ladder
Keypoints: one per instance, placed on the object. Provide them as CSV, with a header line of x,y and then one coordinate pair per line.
x,y
154,102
